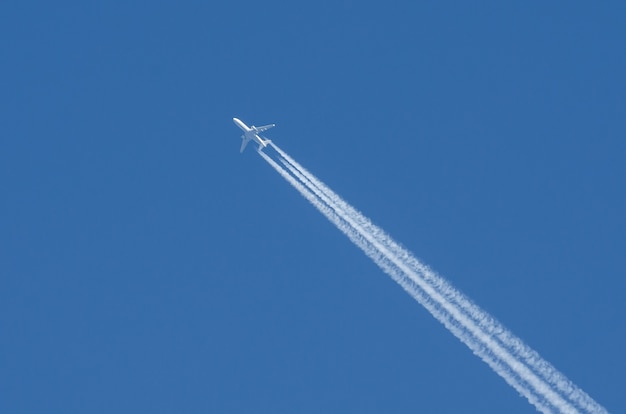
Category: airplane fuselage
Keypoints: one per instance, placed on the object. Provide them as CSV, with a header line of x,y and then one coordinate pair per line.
x,y
241,125
251,134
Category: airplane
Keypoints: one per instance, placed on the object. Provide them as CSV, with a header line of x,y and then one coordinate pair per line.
x,y
252,134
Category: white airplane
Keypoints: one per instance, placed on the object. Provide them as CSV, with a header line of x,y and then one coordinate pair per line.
x,y
252,134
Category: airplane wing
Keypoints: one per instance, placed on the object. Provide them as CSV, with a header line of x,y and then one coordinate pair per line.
x,y
244,143
265,127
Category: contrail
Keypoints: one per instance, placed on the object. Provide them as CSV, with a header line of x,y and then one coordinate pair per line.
x,y
423,298
481,318
517,375
474,327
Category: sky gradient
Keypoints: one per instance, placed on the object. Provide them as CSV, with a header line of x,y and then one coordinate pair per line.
x,y
146,265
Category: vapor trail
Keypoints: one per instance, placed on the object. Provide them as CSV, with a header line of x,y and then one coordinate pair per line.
x,y
425,298
485,321
497,357
477,329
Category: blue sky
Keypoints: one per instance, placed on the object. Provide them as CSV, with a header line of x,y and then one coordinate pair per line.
x,y
145,265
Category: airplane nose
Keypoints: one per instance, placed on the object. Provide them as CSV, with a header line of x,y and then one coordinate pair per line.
x,y
240,124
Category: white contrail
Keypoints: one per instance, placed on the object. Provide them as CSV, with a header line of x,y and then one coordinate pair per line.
x,y
497,357
486,322
448,319
484,330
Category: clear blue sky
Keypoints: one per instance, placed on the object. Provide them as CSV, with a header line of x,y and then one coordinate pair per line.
x,y
147,266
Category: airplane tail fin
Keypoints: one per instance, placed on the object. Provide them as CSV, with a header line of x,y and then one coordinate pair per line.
x,y
264,144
